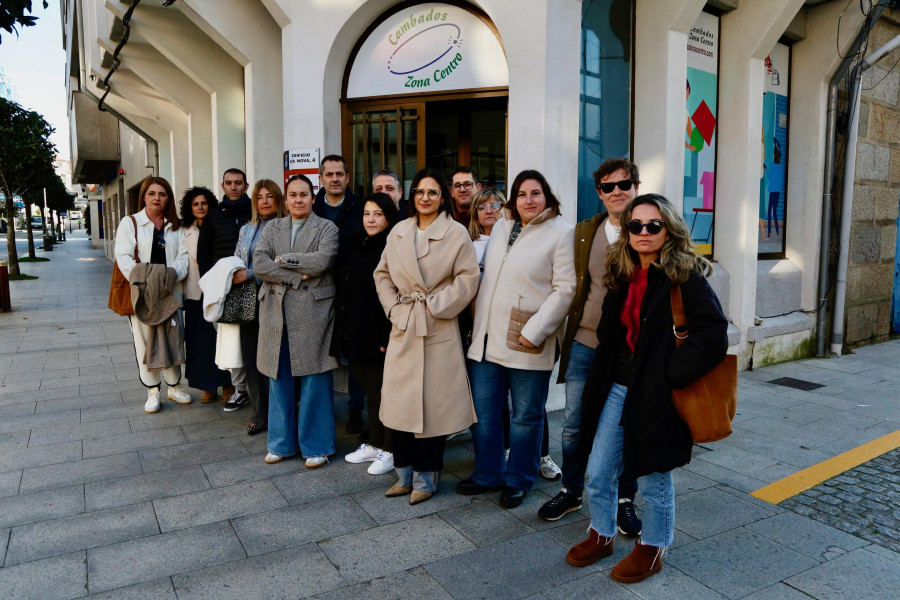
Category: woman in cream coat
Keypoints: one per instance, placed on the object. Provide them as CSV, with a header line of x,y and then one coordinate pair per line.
x,y
428,274
528,285
159,239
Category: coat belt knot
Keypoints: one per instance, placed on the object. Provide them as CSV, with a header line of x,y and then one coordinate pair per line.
x,y
417,299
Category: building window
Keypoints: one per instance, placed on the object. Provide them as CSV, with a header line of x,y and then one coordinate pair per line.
x,y
701,130
773,179
607,30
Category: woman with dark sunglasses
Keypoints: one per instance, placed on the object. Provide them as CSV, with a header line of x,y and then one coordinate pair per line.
x,y
628,420
427,276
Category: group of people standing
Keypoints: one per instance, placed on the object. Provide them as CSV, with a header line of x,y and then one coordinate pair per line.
x,y
451,310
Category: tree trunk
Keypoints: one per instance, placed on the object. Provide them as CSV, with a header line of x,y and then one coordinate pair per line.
x,y
11,227
28,227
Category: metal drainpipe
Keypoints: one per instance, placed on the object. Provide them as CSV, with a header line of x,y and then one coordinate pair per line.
x,y
827,196
840,291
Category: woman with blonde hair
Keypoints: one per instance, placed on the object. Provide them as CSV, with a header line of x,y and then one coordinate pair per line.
x,y
486,207
628,420
267,203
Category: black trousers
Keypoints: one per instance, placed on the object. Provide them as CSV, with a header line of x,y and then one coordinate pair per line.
x,y
422,454
257,383
370,378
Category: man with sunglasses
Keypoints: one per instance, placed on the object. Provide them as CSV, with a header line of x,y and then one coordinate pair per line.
x,y
617,183
463,186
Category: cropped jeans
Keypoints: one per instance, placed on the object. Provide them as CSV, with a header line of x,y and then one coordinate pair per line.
x,y
604,468
307,426
581,358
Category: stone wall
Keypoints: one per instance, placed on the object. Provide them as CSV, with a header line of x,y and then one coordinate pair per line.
x,y
876,197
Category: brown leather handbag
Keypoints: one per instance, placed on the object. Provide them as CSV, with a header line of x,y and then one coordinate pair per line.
x,y
707,405
119,288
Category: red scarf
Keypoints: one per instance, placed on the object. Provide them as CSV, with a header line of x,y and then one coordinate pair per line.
x,y
631,310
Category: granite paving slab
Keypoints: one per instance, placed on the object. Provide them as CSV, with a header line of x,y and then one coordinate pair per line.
x,y
144,487
284,575
217,504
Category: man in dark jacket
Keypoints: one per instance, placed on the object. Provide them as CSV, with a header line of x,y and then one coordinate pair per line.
x,y
335,202
387,182
617,183
218,238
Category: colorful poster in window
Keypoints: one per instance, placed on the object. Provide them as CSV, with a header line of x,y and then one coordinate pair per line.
x,y
773,175
700,131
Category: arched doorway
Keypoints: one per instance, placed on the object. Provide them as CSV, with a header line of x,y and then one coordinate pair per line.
x,y
426,85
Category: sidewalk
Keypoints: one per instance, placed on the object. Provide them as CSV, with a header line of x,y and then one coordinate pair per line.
x,y
97,497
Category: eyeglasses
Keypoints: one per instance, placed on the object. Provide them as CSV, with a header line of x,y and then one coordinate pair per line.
x,y
495,206
653,226
465,185
609,186
419,193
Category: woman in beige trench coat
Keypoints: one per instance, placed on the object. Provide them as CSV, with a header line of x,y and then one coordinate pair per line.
x,y
428,274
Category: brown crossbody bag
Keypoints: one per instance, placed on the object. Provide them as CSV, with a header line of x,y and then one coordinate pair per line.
x,y
708,404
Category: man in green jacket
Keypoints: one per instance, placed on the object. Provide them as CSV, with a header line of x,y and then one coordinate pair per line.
x,y
617,183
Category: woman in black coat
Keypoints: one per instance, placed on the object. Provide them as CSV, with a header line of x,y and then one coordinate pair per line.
x,y
628,417
361,329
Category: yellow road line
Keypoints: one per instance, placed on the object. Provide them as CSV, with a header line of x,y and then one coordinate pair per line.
x,y
816,474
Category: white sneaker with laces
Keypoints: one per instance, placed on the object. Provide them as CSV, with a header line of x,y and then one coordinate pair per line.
x,y
179,394
384,463
549,470
365,453
152,404
316,461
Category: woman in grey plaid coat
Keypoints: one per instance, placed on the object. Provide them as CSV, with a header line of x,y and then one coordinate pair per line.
x,y
294,259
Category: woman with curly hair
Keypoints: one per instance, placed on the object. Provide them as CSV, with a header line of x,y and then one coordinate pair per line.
x,y
199,334
628,420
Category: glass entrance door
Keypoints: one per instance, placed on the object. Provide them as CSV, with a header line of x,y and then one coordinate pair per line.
x,y
384,137
407,137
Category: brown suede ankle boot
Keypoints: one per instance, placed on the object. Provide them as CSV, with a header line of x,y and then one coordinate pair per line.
x,y
590,550
643,562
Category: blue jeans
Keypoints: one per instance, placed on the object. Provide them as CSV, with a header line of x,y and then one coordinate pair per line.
x,y
574,464
580,359
528,390
604,468
308,428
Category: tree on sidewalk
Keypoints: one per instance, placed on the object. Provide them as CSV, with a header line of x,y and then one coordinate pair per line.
x,y
25,150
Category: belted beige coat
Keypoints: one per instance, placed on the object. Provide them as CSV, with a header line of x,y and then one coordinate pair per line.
x,y
423,285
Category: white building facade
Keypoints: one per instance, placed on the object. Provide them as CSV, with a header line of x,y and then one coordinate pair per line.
x,y
722,105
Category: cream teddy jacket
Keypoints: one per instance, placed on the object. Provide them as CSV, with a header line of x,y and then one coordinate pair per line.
x,y
535,275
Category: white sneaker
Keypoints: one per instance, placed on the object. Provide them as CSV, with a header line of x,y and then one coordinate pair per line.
x,y
271,459
549,470
316,461
365,453
152,404
384,463
178,394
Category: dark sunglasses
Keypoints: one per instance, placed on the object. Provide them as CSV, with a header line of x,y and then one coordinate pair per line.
x,y
653,226
609,186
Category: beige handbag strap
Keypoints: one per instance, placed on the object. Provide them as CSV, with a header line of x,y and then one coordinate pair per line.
x,y
679,322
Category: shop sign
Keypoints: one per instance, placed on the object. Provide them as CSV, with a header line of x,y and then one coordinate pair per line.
x,y
428,48
773,176
303,161
700,135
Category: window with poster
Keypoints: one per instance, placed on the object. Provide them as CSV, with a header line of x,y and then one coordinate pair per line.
x,y
701,130
774,140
